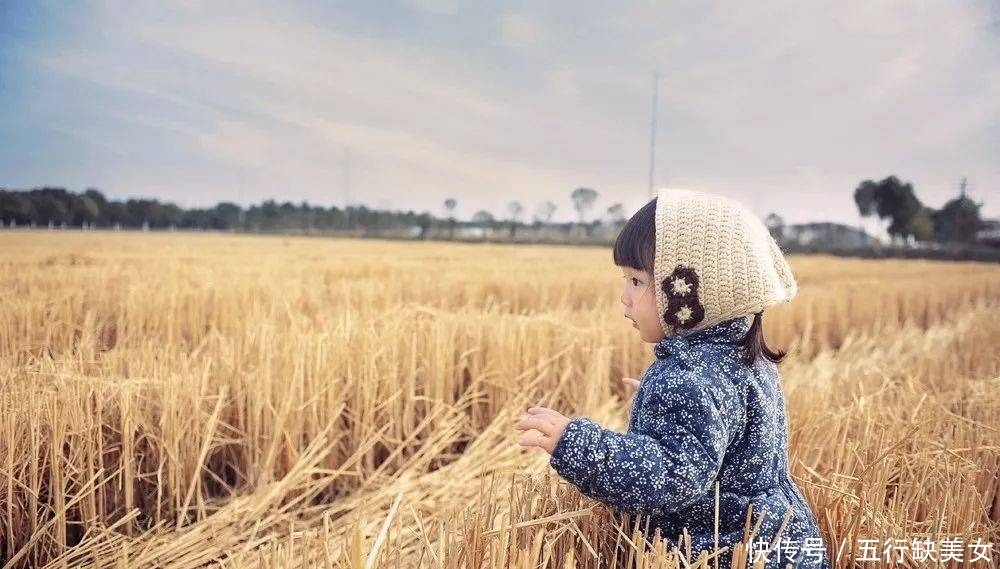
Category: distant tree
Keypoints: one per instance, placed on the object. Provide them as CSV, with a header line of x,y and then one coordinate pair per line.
x,y
424,221
775,226
864,198
616,213
544,212
889,199
449,206
82,210
514,209
118,214
225,215
170,215
100,204
365,218
921,225
483,218
270,214
15,207
583,200
50,204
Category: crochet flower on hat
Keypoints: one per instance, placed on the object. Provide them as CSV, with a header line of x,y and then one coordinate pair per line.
x,y
684,310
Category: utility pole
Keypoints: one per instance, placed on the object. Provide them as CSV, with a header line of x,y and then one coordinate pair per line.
x,y
652,134
242,217
347,186
347,176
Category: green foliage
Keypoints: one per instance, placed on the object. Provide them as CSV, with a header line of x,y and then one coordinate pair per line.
x,y
956,222
484,218
921,225
42,205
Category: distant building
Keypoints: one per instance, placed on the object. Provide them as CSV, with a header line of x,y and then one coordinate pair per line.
x,y
470,232
990,233
827,235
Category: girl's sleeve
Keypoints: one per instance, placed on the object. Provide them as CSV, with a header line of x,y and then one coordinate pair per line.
x,y
669,462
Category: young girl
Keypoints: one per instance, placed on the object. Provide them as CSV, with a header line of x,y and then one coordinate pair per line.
x,y
710,409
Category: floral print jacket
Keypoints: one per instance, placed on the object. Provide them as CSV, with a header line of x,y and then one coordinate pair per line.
x,y
699,417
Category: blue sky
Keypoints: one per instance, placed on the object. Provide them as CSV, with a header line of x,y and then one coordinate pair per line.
x,y
785,106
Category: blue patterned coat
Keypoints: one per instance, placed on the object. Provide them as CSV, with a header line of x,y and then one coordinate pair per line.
x,y
699,416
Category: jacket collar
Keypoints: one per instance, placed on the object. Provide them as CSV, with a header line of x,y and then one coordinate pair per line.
x,y
726,332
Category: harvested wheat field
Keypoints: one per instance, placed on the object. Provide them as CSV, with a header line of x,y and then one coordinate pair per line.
x,y
188,400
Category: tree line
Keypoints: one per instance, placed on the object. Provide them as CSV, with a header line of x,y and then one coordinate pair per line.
x,y
58,207
890,199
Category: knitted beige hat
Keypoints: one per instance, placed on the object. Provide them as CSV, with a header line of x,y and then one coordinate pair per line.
x,y
714,261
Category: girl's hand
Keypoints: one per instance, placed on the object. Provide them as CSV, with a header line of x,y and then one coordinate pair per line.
x,y
631,386
550,423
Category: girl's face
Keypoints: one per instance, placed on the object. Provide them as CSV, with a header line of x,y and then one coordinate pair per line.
x,y
639,299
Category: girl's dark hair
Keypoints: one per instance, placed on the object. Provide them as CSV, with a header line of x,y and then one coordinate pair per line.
x,y
636,243
635,247
752,344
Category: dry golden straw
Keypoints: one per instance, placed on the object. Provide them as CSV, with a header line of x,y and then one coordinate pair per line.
x,y
180,400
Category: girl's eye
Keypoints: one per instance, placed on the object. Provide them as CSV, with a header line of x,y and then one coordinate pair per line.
x,y
635,281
